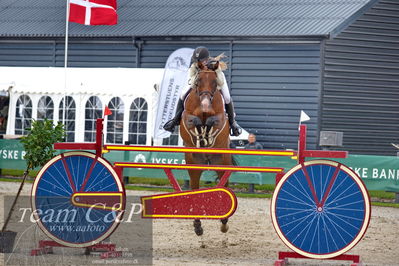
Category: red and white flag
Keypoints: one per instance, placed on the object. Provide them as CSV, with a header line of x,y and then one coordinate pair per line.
x,y
93,12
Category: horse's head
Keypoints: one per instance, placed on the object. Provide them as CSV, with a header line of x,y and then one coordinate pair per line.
x,y
206,84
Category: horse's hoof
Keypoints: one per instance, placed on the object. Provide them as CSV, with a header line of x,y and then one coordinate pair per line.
x,y
224,228
199,231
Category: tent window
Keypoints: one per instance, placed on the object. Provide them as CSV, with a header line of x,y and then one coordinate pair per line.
x,y
138,121
93,110
69,119
45,108
23,115
4,105
173,139
115,121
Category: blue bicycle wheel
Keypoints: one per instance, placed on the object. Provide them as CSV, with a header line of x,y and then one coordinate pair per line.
x,y
320,209
77,199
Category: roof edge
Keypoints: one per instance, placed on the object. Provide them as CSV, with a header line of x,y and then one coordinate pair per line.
x,y
352,18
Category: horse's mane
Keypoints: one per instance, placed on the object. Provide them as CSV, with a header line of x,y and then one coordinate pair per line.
x,y
222,65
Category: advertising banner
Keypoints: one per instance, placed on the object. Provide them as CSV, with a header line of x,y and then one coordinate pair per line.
x,y
174,79
12,154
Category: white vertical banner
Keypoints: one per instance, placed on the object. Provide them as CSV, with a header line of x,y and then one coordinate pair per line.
x,y
174,80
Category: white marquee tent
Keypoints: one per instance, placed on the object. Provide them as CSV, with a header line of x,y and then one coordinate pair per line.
x,y
81,84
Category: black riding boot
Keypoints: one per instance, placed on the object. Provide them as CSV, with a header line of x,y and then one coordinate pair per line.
x,y
235,129
175,121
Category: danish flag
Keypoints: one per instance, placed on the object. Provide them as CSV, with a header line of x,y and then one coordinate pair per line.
x,y
93,12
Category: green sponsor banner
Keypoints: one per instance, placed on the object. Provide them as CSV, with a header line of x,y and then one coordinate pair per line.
x,y
377,172
12,154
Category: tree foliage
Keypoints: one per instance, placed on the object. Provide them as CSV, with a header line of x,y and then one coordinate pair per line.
x,y
38,144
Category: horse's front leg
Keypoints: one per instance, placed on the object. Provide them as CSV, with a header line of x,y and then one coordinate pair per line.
x,y
195,127
212,121
193,121
212,128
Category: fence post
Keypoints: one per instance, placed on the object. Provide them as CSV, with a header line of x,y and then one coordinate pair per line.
x,y
396,193
251,188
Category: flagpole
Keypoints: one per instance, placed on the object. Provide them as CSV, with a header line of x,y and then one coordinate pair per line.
x,y
65,60
300,121
105,132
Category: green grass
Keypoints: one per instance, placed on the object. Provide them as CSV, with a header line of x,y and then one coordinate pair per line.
x,y
140,188
5,179
252,195
385,204
262,191
381,194
12,172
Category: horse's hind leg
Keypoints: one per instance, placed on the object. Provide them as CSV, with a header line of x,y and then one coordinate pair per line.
x,y
194,177
197,227
224,227
194,184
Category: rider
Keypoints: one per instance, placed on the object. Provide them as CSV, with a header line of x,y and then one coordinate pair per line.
x,y
201,54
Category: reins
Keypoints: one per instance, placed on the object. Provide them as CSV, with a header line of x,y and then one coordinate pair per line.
x,y
199,94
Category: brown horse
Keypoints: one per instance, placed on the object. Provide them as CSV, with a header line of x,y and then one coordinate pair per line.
x,y
204,124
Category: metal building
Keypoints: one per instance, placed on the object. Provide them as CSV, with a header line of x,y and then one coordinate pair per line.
x,y
361,81
336,60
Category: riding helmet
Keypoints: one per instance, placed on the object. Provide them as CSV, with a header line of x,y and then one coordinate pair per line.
x,y
200,53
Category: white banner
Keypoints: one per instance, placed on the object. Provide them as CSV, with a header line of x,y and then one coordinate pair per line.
x,y
174,80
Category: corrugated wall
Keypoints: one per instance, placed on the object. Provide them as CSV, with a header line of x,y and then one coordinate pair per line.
x,y
34,54
155,53
361,82
271,84
44,53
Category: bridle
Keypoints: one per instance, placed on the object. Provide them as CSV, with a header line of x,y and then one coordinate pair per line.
x,y
204,93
